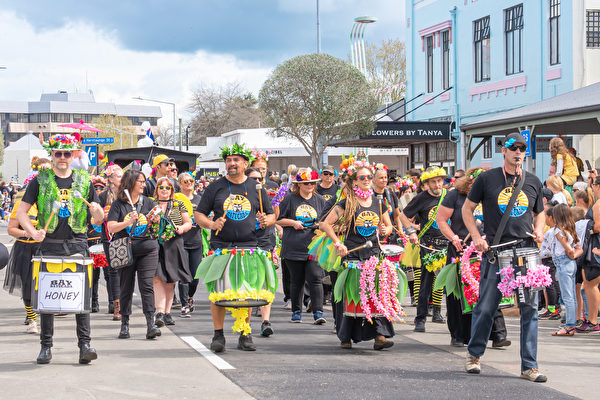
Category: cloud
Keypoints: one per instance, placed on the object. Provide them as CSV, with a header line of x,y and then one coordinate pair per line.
x,y
62,58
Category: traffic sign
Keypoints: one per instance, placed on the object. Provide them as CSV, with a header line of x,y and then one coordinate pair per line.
x,y
527,136
92,154
98,140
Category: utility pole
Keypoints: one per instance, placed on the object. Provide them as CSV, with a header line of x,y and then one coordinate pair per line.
x,y
318,30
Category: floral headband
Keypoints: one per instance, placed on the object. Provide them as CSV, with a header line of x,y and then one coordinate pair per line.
x,y
257,154
406,182
381,166
473,175
111,169
350,166
97,180
236,149
63,142
433,172
307,176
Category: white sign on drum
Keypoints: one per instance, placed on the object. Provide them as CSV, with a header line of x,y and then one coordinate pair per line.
x,y
61,291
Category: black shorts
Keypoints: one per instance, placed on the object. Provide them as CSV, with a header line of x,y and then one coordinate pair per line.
x,y
579,275
591,272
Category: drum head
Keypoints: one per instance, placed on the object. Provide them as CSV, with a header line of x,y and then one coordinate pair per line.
x,y
241,303
97,249
390,250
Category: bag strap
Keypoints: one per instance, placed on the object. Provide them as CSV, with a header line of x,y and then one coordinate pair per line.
x,y
433,217
509,208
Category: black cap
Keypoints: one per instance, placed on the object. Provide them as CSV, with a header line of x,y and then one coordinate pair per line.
x,y
547,193
518,138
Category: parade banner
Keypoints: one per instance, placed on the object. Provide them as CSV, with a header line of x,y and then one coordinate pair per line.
x,y
386,130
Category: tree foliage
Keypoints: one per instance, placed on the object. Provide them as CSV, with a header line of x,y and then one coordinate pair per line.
x,y
217,110
1,147
386,69
315,99
111,124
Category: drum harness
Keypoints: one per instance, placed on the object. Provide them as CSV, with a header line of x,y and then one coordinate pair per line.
x,y
492,252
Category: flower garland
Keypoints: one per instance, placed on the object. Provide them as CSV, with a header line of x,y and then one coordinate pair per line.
x,y
351,165
470,268
435,260
537,276
167,233
219,252
241,314
63,142
406,182
363,194
383,276
257,154
280,195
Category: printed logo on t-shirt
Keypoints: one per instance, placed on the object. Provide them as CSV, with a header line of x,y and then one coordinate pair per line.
x,y
478,213
327,197
238,208
63,195
140,226
366,223
306,214
521,205
430,215
97,228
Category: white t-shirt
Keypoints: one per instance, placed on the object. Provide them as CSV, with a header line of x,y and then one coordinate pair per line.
x,y
547,244
559,250
559,198
580,227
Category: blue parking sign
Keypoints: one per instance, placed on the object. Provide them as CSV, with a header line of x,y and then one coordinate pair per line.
x,y
92,154
527,136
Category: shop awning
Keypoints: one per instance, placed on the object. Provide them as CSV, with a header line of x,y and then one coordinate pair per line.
x,y
398,134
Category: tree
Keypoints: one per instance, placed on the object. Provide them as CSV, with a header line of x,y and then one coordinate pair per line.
x,y
1,147
218,110
112,125
165,137
386,70
315,99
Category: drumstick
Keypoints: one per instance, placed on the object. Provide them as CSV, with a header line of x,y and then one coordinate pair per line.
x,y
78,195
367,245
259,188
231,197
380,198
129,198
467,237
55,207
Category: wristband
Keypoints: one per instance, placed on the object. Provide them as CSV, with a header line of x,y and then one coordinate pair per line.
x,y
337,244
410,230
455,237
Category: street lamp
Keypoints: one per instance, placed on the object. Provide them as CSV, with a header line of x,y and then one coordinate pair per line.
x,y
357,42
164,102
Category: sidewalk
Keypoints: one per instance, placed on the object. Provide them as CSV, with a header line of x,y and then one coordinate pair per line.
x,y
164,368
570,363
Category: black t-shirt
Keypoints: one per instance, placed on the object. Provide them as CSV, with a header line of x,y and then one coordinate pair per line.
x,y
192,239
494,190
142,239
103,200
423,205
63,231
294,244
390,202
455,200
240,227
269,184
329,192
363,228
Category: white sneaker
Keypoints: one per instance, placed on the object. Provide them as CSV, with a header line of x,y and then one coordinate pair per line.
x,y
542,311
472,364
32,328
534,375
287,305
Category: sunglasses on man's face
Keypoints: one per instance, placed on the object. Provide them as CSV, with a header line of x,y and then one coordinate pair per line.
x,y
363,177
514,147
161,187
61,154
327,173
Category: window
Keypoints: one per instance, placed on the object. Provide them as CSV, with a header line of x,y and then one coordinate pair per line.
x,y
592,28
445,60
487,148
554,16
481,39
418,153
513,37
429,60
61,118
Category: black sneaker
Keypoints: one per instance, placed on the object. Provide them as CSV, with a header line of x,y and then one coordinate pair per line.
x,y
159,320
420,326
265,329
168,319
218,344
245,343
191,304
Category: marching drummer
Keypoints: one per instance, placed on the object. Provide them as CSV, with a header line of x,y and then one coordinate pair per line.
x,y
64,231
234,200
494,189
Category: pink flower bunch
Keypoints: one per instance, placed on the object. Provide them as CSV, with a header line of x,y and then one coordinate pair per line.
x,y
537,277
471,274
385,301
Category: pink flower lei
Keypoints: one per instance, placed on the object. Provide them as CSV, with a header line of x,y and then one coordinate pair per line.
x,y
384,300
470,273
363,194
537,276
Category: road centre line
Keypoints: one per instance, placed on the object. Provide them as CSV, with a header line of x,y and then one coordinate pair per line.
x,y
206,353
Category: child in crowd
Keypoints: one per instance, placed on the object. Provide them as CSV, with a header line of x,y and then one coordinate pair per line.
x,y
564,252
552,292
560,195
581,223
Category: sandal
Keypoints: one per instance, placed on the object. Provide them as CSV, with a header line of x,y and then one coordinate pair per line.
x,y
564,331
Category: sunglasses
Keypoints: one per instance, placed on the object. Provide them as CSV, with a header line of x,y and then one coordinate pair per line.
x,y
363,177
165,187
61,154
174,170
309,183
327,173
522,149
187,181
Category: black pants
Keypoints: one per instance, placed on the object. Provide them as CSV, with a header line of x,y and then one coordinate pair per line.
x,y
424,294
337,307
96,278
310,272
145,266
47,325
189,289
47,320
553,291
113,282
285,275
459,324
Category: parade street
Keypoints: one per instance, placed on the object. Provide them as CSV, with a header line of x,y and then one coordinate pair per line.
x,y
300,361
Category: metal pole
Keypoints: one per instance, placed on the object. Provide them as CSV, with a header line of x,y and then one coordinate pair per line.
x,y
174,141
318,30
180,136
187,138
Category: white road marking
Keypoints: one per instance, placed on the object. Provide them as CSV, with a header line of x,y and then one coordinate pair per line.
x,y
206,353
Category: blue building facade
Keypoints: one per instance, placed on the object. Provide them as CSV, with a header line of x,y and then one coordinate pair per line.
x,y
470,59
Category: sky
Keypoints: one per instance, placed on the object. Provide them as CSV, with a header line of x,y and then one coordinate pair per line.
x,y
165,50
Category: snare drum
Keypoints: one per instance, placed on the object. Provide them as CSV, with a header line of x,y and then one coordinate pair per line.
x,y
97,249
62,284
530,256
392,251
